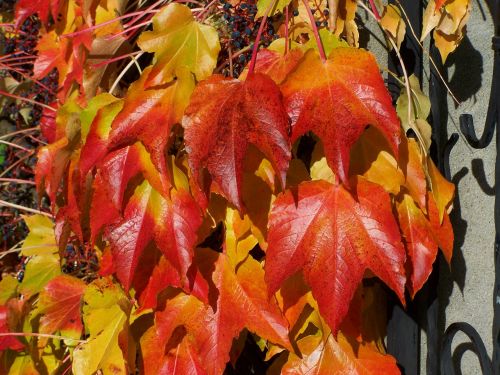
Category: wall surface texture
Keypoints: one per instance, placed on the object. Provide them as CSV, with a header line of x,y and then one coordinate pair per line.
x,y
465,289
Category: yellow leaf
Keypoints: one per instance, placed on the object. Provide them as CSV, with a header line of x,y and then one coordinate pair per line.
x,y
392,22
178,40
101,351
40,239
263,5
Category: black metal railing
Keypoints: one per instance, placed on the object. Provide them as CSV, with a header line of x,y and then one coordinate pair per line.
x,y
403,340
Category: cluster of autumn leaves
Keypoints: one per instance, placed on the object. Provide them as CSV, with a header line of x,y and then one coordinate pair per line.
x,y
207,224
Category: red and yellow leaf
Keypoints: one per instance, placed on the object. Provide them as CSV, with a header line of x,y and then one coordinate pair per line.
x,y
224,117
333,238
336,100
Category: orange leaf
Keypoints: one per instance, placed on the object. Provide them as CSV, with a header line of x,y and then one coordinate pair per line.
x,y
242,302
323,231
224,117
172,223
60,303
336,100
148,116
330,356
421,245
276,65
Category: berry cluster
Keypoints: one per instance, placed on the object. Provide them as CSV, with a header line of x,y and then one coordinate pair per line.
x,y
78,262
241,29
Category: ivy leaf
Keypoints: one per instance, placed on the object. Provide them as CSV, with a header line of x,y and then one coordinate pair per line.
x,y
40,239
39,271
332,356
7,342
43,8
337,100
60,304
242,302
333,238
178,40
149,114
420,243
224,117
172,223
263,5
111,181
101,351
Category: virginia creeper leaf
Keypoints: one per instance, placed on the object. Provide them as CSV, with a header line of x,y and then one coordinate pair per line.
x,y
242,302
39,271
336,100
60,304
172,223
337,356
7,342
421,245
333,238
111,181
148,116
224,117
40,239
275,64
178,40
101,351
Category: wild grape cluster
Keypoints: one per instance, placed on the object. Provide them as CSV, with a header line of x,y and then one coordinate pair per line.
x,y
78,262
241,29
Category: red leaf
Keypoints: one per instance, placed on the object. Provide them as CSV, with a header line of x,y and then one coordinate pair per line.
x,y
224,117
27,8
7,342
420,243
242,301
276,65
172,223
111,181
149,114
60,303
333,239
337,100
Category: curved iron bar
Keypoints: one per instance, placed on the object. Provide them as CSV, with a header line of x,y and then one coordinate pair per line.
x,y
447,364
488,366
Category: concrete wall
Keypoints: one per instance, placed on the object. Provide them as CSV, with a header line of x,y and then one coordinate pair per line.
x,y
466,291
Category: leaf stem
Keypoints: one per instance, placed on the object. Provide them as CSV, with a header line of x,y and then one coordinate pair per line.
x,y
287,20
251,67
16,180
32,334
31,101
27,209
315,31
376,14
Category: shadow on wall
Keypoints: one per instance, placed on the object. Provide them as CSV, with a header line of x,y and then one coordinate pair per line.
x,y
468,71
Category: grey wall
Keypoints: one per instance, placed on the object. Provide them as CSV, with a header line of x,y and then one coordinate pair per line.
x,y
466,291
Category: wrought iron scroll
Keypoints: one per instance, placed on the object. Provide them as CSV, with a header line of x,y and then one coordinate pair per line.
x,y
439,345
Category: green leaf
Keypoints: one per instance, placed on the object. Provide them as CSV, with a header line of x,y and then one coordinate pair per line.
x,y
101,351
178,40
41,239
88,114
329,40
39,271
262,6
104,319
8,287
